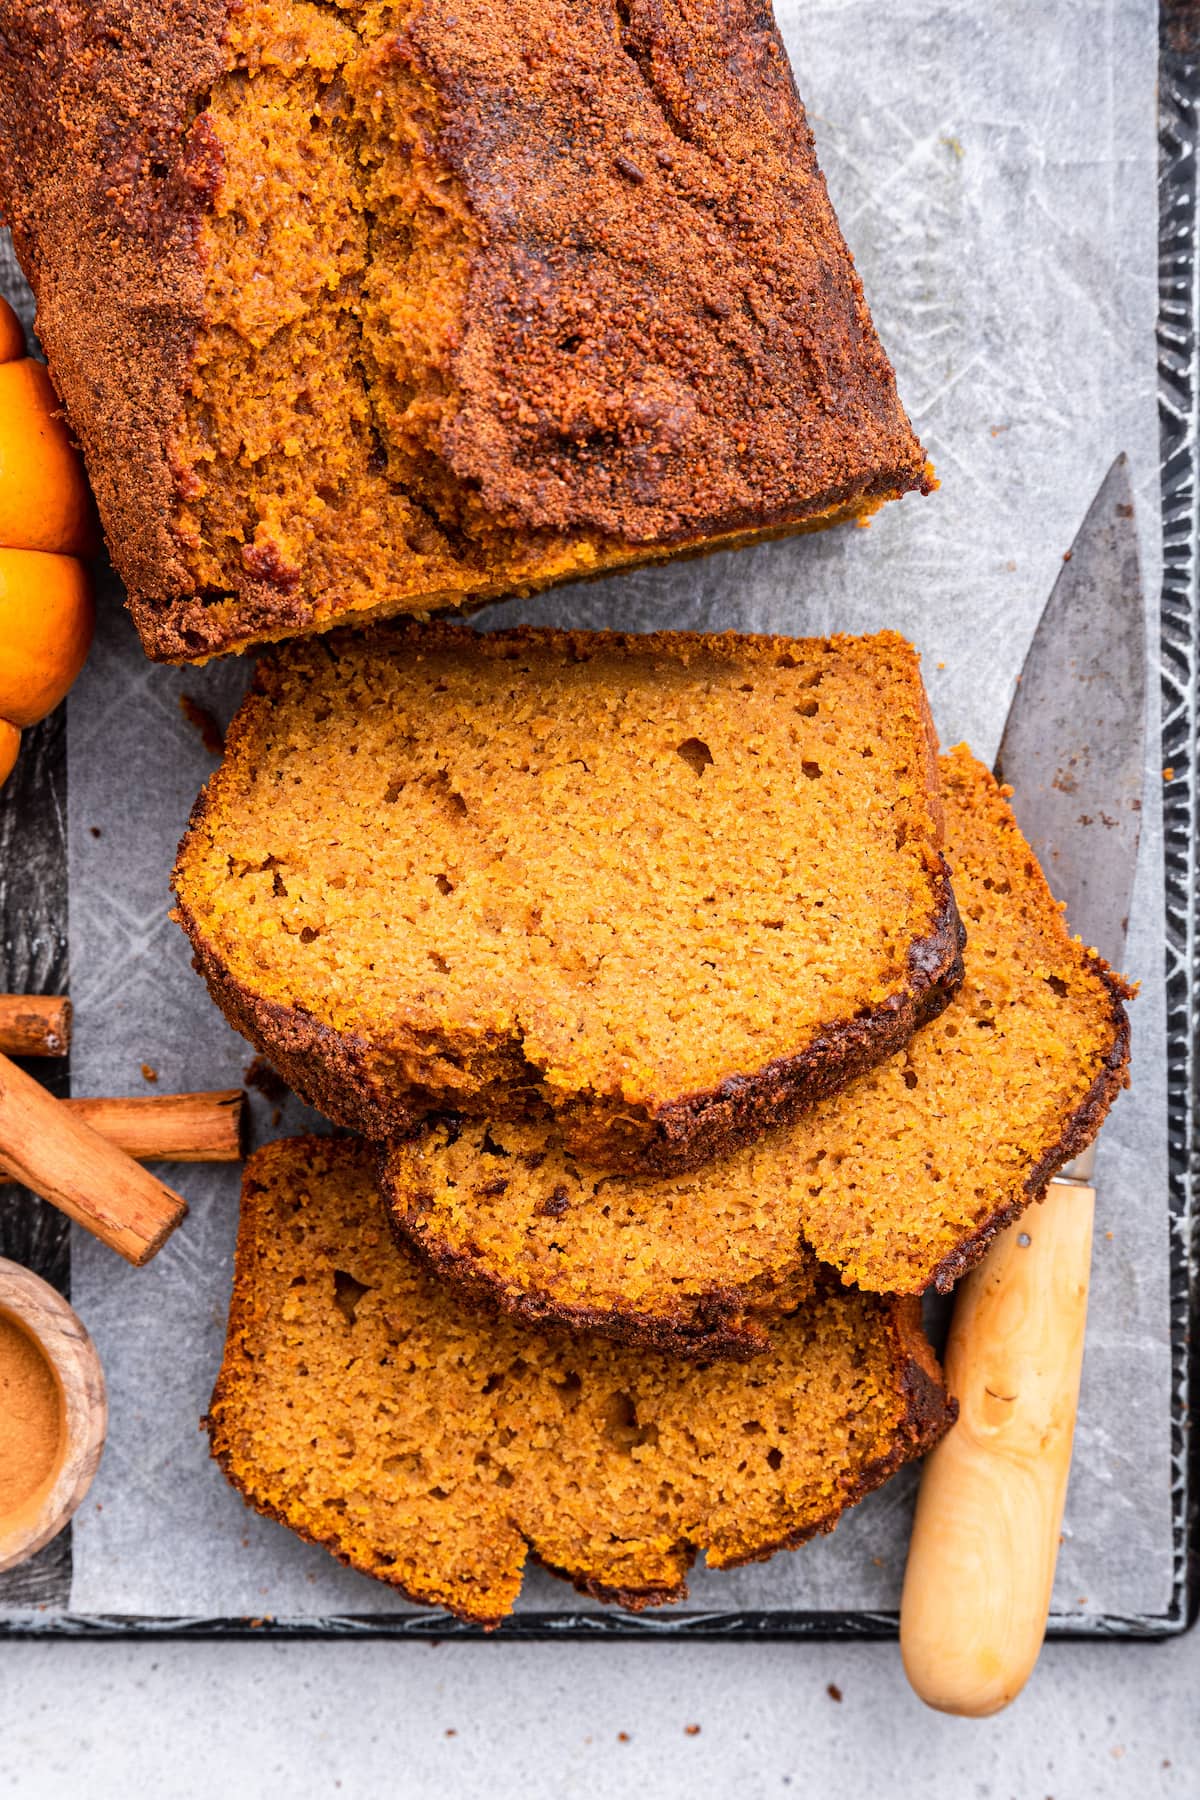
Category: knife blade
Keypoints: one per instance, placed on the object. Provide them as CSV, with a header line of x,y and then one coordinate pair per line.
x,y
986,1533
1073,748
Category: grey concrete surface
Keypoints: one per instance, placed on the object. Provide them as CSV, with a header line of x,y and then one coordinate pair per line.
x,y
941,129
108,1721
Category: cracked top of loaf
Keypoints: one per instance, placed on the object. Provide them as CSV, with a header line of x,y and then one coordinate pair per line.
x,y
373,308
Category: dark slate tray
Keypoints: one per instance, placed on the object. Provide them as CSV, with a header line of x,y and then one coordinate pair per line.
x,y
34,914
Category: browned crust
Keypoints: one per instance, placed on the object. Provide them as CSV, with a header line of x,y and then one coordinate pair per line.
x,y
928,1413
716,1324
706,237
105,183
687,1133
629,1599
333,1070
1078,1132
107,172
328,1069
727,1322
709,411
194,629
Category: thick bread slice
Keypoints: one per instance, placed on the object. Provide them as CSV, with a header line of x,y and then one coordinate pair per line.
x,y
358,1404
899,1182
668,888
363,309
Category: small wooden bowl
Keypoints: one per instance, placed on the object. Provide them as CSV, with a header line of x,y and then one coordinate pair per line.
x,y
53,1325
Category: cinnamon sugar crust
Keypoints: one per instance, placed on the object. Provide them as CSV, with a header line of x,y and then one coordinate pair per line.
x,y
386,308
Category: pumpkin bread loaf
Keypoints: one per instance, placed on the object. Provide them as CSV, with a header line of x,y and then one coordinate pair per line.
x,y
898,1182
387,307
666,888
358,1404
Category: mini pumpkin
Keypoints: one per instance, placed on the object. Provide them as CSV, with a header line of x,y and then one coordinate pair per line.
x,y
47,525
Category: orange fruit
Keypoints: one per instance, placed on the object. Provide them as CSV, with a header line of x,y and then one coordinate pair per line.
x,y
46,620
44,499
10,743
12,339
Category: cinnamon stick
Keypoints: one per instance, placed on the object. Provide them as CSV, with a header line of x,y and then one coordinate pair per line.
x,y
204,1127
35,1024
53,1152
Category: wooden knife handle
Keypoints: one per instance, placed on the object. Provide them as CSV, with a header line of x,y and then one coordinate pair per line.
x,y
989,1512
53,1152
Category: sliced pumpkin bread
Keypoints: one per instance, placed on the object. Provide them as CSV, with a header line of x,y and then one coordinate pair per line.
x,y
899,1182
667,889
360,1405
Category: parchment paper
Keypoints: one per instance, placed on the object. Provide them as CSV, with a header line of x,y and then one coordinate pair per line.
x,y
994,172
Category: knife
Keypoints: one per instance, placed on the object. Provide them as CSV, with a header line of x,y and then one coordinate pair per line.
x,y
986,1532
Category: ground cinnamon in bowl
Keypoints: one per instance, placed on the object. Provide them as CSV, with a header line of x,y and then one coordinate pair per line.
x,y
32,1422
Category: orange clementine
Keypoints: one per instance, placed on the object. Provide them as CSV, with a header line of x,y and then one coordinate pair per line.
x,y
46,619
10,743
12,337
44,498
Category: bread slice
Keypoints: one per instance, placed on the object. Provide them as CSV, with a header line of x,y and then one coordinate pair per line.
x,y
668,888
366,309
898,1182
358,1404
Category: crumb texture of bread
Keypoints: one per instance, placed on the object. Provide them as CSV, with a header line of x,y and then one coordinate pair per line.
x,y
388,307
899,1182
359,1405
666,888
